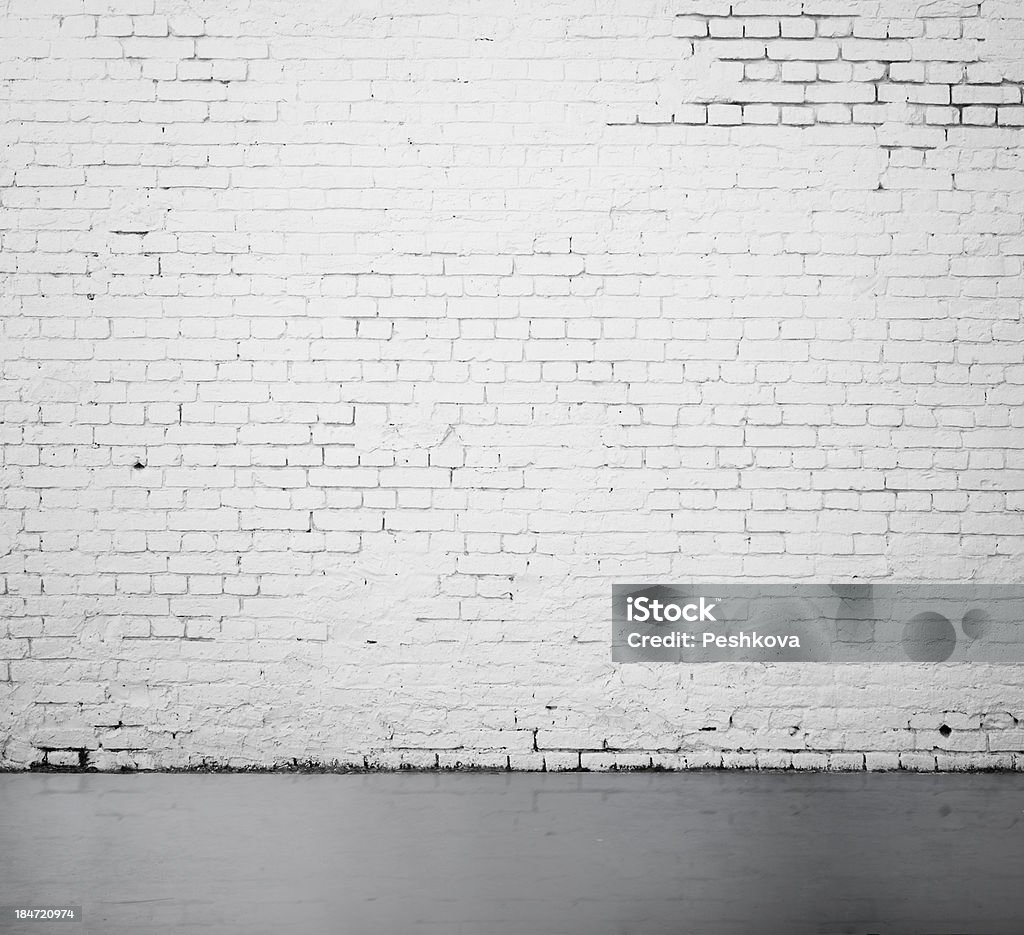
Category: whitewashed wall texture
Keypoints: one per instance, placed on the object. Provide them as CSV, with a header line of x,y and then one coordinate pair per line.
x,y
353,349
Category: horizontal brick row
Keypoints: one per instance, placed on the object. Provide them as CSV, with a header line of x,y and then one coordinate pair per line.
x,y
833,107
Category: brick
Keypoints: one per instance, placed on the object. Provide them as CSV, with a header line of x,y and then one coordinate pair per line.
x,y
158,48
881,761
915,94
978,116
761,28
761,71
876,113
918,762
689,26
833,113
691,113
725,114
738,49
761,113
798,27
835,26
799,71
1011,116
817,50
798,116
1008,740
942,116
186,25
209,47
847,762
836,71
841,93
907,72
810,760
725,27
984,94
858,50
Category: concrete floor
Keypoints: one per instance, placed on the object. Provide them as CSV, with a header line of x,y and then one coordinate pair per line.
x,y
518,854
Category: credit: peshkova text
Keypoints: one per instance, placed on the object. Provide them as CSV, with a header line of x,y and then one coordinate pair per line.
x,y
741,640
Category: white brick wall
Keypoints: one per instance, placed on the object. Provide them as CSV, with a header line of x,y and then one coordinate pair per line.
x,y
353,350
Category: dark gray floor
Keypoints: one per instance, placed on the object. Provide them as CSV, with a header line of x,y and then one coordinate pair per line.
x,y
518,854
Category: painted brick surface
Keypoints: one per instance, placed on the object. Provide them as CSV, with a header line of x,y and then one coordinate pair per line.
x,y
352,351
